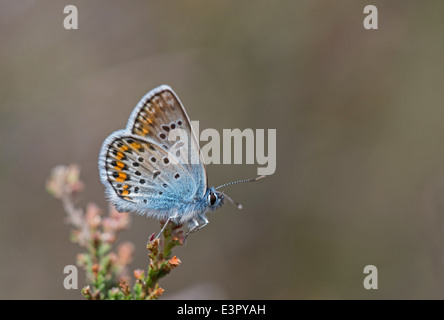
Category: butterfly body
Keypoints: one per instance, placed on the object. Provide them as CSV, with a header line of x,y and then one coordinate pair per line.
x,y
141,172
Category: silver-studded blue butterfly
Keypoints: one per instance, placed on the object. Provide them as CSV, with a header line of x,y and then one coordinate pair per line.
x,y
142,175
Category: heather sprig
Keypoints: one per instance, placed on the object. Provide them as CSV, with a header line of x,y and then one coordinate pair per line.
x,y
104,260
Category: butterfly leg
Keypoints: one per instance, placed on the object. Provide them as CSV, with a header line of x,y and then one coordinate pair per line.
x,y
193,225
172,218
205,222
196,226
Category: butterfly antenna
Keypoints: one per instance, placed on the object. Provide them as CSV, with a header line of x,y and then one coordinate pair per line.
x,y
237,204
240,181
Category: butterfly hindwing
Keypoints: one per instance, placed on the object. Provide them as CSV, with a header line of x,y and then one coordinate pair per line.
x,y
141,176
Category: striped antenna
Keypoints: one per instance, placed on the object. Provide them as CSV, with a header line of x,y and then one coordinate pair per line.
x,y
240,181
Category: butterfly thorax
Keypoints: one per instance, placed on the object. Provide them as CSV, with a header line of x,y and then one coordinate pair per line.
x,y
211,201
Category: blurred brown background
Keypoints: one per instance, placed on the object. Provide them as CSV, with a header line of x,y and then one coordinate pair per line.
x,y
360,152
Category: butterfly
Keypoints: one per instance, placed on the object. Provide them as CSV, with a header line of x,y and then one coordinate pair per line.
x,y
146,172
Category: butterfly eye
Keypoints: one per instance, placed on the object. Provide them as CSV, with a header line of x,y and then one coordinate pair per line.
x,y
212,198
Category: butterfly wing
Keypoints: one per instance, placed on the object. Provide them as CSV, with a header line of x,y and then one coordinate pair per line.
x,y
140,176
159,113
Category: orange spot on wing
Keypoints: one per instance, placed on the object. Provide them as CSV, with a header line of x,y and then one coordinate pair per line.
x,y
119,155
119,165
125,192
136,145
122,177
124,148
